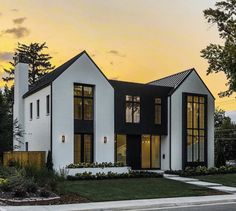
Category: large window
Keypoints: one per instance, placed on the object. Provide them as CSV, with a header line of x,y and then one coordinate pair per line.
x,y
157,110
121,148
83,148
83,102
196,129
132,109
38,108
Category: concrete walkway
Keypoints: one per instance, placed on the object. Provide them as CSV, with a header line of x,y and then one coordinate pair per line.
x,y
197,182
144,204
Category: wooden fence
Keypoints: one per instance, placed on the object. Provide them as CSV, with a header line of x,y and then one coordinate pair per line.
x,y
32,158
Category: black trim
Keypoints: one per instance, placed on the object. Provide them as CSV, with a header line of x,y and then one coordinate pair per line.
x,y
51,119
170,135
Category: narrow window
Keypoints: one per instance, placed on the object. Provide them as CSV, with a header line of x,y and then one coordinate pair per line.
x,y
47,105
38,109
31,111
157,110
121,148
132,109
26,146
83,102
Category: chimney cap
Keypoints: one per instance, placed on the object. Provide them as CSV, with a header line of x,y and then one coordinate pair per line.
x,y
21,58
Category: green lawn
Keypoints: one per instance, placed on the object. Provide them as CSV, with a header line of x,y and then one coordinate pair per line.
x,y
124,189
225,179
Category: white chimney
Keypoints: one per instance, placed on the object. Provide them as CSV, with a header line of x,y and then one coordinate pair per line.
x,y
21,86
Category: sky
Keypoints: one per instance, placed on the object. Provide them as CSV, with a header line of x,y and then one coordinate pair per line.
x,y
131,40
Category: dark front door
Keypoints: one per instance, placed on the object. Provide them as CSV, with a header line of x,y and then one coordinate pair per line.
x,y
134,151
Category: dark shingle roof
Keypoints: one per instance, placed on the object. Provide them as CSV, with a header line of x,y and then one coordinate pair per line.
x,y
172,80
48,78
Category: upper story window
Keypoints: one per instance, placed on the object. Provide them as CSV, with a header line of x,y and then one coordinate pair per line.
x,y
157,111
83,102
132,109
38,108
47,104
31,111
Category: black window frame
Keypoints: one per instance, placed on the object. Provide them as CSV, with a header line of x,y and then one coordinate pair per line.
x,y
38,109
47,105
185,131
83,98
31,111
156,105
132,102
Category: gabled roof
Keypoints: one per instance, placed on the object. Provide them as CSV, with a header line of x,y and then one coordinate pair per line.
x,y
48,78
172,80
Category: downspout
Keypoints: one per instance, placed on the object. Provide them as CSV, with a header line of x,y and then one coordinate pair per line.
x,y
51,119
170,135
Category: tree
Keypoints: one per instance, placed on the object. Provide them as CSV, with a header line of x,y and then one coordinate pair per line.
x,y
39,62
222,58
220,118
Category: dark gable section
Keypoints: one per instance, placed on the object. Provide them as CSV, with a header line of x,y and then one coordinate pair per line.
x,y
147,94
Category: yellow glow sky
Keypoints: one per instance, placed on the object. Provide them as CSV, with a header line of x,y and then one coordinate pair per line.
x,y
133,40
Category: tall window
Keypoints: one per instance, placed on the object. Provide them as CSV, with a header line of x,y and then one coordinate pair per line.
x,y
132,109
83,148
47,104
121,148
38,108
196,126
157,110
83,102
31,111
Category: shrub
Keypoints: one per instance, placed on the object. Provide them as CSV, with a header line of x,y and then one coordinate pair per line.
x,y
20,192
44,193
95,165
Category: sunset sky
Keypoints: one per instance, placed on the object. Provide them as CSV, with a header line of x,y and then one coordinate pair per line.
x,y
133,40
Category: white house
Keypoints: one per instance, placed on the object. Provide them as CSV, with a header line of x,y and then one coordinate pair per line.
x,y
81,116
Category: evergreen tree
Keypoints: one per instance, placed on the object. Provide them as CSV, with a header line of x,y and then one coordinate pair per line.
x,y
39,62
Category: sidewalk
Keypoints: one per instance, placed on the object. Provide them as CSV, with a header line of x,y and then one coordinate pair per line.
x,y
192,181
130,204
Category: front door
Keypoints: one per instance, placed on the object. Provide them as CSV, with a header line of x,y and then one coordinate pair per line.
x,y
134,151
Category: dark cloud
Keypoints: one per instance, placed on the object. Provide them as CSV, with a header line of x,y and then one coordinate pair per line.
x,y
111,63
14,10
115,52
0,13
18,32
5,56
19,20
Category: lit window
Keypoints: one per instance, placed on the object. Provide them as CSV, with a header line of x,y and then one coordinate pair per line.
x,y
132,109
157,110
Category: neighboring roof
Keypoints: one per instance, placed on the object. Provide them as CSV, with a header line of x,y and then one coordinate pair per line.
x,y
172,80
48,78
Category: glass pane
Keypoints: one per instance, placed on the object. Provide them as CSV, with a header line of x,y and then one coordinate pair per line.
x,y
129,98
155,151
189,99
189,146
195,146
77,108
157,100
195,99
136,99
88,109
145,151
128,112
77,148
121,148
157,114
136,112
201,116
77,90
189,116
87,148
202,149
195,115
202,99
88,91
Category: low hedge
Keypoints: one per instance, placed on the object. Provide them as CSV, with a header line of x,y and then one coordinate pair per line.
x,y
111,175
95,165
202,170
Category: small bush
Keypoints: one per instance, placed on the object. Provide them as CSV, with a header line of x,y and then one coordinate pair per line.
x,y
44,193
95,165
20,192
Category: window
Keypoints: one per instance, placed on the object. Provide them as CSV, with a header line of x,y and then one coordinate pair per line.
x,y
121,148
31,111
47,104
132,109
26,146
38,109
83,148
196,128
83,102
157,110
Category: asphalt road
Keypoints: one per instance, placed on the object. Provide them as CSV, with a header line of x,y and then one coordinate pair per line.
x,y
231,206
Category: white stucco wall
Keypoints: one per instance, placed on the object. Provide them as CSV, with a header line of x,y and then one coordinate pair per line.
x,y
191,85
37,130
82,71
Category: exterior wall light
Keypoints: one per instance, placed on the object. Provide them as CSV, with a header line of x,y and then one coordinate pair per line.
x,y
105,140
63,138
